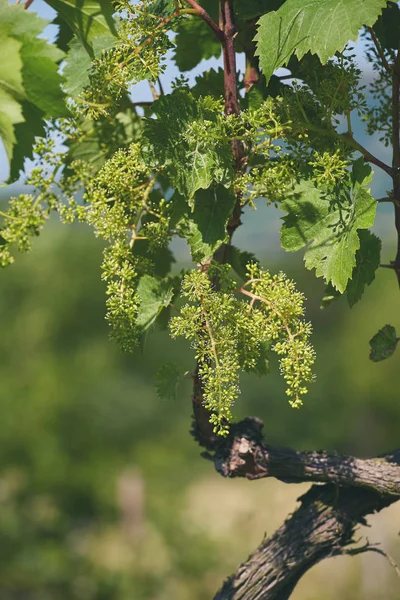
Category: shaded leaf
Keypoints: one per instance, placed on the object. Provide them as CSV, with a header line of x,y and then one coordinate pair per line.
x,y
387,26
168,378
195,41
64,35
25,133
383,344
368,258
155,294
209,83
239,259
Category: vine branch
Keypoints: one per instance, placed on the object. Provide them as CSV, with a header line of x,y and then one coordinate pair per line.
x,y
207,18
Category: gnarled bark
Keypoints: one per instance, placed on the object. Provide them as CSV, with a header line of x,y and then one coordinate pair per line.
x,y
323,526
329,514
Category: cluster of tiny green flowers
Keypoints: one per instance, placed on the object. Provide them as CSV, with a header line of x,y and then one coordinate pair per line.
x,y
137,55
282,308
229,333
209,322
24,220
119,271
271,179
27,213
329,169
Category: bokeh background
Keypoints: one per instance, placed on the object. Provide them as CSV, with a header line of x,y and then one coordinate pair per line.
x,y
103,492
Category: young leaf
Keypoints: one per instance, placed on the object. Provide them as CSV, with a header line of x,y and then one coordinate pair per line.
x,y
368,257
168,378
205,226
191,165
318,26
88,19
212,210
383,344
154,294
330,234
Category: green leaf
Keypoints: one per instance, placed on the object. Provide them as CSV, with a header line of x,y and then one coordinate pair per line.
x,y
239,259
205,226
30,86
190,165
76,70
383,344
254,8
11,91
88,19
195,41
209,83
330,233
42,82
168,378
368,258
25,133
163,8
155,294
78,63
212,210
64,35
321,27
387,26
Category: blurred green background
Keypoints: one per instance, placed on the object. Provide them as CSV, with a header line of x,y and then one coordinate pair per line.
x,y
103,493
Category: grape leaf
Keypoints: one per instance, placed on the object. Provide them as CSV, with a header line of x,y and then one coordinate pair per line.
x,y
30,85
88,19
155,294
195,41
254,8
25,133
190,165
388,25
368,257
76,70
319,26
204,227
168,377
209,83
42,82
163,8
383,344
330,234
239,259
64,35
78,62
11,91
